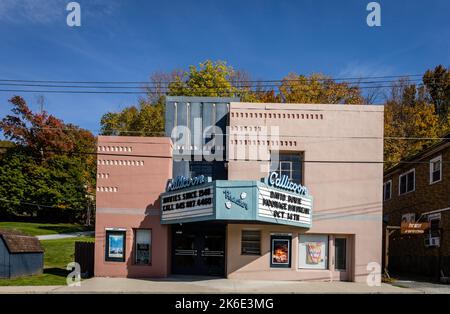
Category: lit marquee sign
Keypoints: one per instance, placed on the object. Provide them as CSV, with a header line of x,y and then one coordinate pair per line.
x,y
187,198
276,199
294,205
181,182
284,183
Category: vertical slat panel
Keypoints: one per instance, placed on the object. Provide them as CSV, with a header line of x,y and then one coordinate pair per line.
x,y
4,260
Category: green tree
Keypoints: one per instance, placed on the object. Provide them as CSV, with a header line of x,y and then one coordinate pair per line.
x,y
13,178
318,89
53,190
146,119
410,122
213,79
51,163
437,82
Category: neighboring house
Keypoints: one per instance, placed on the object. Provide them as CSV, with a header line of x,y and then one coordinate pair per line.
x,y
20,254
418,190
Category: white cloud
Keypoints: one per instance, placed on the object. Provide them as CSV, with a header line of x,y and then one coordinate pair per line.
x,y
31,11
49,11
355,69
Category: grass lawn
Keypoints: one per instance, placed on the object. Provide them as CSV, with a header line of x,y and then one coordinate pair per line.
x,y
35,229
58,253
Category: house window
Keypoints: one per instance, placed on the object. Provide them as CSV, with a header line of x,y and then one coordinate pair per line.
x,y
251,242
387,190
434,220
142,246
409,218
115,245
313,251
290,164
406,182
436,169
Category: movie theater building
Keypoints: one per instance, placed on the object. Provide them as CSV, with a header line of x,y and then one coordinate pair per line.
x,y
306,206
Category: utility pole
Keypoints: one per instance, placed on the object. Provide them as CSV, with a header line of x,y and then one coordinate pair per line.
x,y
88,214
89,199
41,101
389,231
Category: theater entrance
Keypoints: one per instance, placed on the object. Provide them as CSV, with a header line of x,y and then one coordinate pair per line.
x,y
198,249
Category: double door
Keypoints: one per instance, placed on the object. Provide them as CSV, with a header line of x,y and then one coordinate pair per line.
x,y
198,249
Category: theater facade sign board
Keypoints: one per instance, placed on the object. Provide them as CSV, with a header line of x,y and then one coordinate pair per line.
x,y
275,199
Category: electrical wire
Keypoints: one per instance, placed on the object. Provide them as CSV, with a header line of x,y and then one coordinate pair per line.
x,y
244,81
62,152
237,133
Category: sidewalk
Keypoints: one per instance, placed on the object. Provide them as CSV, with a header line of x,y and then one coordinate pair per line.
x,y
65,235
195,285
423,286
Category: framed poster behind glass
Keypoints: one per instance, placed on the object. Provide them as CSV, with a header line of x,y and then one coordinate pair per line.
x,y
313,251
115,245
280,251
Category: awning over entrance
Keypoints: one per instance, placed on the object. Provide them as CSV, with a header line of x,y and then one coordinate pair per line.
x,y
275,200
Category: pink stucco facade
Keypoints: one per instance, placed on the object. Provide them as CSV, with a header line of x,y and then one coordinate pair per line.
x,y
342,146
342,152
131,174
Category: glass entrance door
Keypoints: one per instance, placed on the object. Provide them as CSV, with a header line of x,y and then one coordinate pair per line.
x,y
184,252
213,254
198,249
341,257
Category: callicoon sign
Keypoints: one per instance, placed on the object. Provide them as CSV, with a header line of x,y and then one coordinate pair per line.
x,y
275,199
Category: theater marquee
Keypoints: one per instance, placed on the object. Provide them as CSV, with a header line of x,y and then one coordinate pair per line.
x,y
275,200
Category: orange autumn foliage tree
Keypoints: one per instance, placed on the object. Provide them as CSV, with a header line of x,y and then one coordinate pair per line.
x,y
410,122
318,89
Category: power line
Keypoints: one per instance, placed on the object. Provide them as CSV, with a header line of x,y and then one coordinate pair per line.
x,y
70,92
237,133
158,87
166,90
244,81
214,91
169,157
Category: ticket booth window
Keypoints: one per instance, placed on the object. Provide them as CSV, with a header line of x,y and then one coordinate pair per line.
x,y
142,247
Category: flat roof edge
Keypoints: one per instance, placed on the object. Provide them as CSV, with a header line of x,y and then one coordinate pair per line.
x,y
201,99
329,107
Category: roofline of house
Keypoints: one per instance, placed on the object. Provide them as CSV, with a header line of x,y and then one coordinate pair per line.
x,y
444,143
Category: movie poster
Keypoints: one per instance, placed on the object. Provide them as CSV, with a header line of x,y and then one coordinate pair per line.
x,y
313,251
281,255
116,246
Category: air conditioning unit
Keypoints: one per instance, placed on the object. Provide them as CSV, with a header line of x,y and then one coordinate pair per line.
x,y
432,241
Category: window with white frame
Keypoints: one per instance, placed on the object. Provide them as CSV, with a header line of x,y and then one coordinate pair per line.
x,y
387,190
434,220
406,182
436,169
290,164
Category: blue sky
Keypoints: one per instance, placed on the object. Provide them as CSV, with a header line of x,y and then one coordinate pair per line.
x,y
128,40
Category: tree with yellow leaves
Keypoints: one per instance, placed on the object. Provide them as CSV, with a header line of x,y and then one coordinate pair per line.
x,y
318,89
410,122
